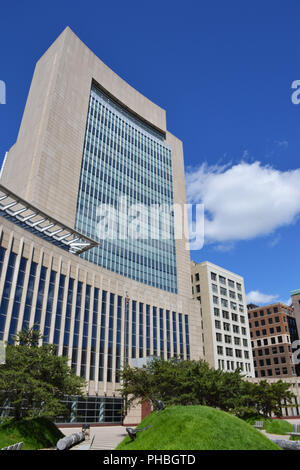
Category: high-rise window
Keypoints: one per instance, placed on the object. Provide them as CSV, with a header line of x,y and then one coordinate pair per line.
x,y
49,307
29,295
187,336
39,302
17,299
161,332
141,329
68,317
102,336
110,337
118,338
133,329
94,334
76,326
86,321
168,326
59,309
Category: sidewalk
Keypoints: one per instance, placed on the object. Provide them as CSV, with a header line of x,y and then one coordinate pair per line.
x,y
105,437
275,436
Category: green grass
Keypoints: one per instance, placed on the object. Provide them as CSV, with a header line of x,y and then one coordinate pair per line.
x,y
196,428
272,426
36,433
277,426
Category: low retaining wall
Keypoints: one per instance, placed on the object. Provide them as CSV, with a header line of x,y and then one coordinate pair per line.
x,y
286,444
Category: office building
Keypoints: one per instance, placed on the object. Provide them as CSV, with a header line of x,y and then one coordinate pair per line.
x,y
273,330
226,335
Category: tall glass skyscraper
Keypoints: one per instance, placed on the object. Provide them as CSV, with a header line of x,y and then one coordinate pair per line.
x,y
125,160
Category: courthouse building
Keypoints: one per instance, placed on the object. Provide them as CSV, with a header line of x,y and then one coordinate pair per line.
x,y
88,139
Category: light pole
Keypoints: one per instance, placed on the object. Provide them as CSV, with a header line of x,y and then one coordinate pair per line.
x,y
126,329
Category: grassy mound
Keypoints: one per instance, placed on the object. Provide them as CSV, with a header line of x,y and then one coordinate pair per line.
x,y
36,433
277,426
196,428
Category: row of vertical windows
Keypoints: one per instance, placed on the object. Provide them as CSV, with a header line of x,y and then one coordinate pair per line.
x,y
59,306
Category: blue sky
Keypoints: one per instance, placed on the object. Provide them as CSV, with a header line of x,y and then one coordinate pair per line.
x,y
223,71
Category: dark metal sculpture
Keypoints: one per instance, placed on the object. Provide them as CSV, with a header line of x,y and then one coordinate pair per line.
x,y
159,405
86,430
132,432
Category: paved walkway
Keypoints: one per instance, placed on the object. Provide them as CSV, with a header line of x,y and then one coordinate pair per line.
x,y
292,421
275,436
281,436
105,437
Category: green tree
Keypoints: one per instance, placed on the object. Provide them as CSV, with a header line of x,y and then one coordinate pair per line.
x,y
34,375
183,382
269,397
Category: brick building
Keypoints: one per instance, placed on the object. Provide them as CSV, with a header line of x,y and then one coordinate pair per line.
x,y
273,329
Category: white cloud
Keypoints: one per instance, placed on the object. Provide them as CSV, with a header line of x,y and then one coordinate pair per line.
x,y
256,297
244,201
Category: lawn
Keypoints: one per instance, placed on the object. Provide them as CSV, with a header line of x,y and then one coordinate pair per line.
x,y
273,426
196,428
277,426
36,433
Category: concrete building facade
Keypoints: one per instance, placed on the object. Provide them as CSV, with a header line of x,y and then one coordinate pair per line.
x,y
87,138
222,305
